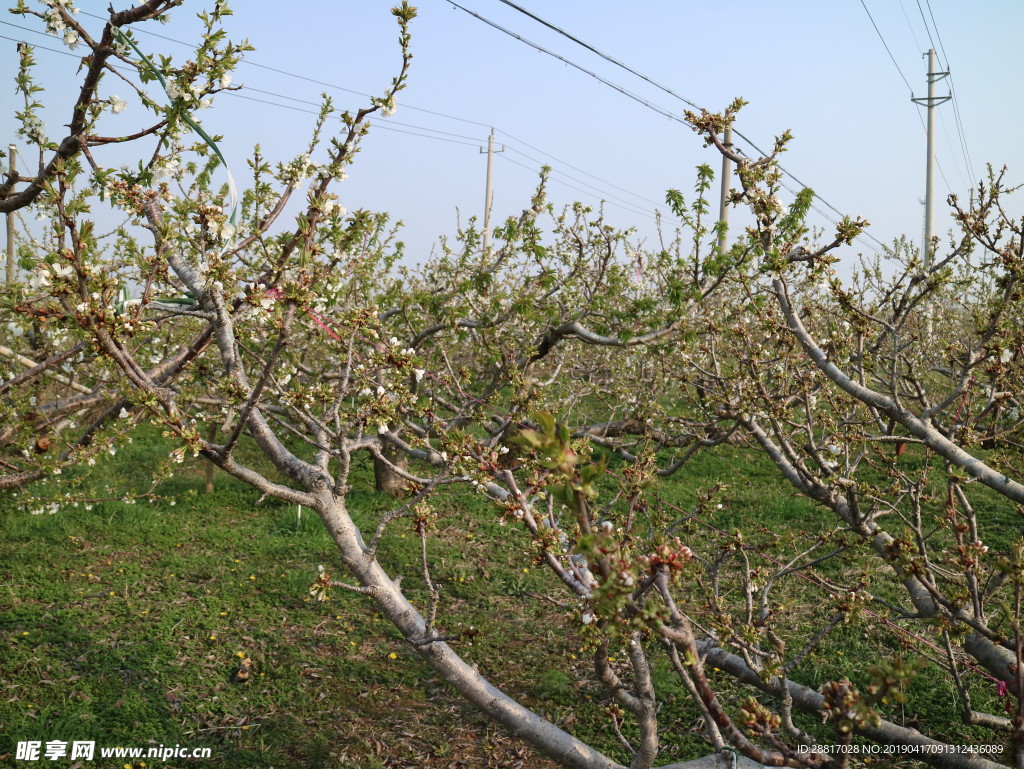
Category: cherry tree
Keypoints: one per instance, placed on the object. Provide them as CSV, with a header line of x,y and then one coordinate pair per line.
x,y
834,382
63,404
517,371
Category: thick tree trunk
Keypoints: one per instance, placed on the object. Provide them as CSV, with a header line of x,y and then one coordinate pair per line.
x,y
385,478
463,676
211,436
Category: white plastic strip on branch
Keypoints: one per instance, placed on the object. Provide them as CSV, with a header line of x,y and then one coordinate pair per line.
x,y
7,352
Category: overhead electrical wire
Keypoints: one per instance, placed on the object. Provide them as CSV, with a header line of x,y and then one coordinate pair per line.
x,y
577,168
952,91
604,195
390,122
635,97
956,101
382,126
926,27
960,130
622,205
570,176
645,102
953,151
40,47
913,33
946,67
235,94
887,49
474,142
942,171
306,78
603,55
404,105
601,194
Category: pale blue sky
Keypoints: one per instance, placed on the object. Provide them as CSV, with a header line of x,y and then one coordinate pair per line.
x,y
816,68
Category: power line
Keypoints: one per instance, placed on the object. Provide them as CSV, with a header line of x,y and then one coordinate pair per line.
x,y
603,55
887,50
39,47
918,45
960,130
942,173
965,154
390,126
956,107
577,168
237,95
936,26
473,141
927,28
306,78
907,82
610,198
623,205
952,90
35,32
382,126
631,95
579,181
390,120
645,102
949,143
963,141
650,105
913,34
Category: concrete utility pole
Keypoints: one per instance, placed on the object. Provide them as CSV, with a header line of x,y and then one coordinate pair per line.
x,y
723,208
11,149
931,101
488,193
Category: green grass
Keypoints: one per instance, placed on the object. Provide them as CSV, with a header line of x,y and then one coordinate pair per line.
x,y
125,622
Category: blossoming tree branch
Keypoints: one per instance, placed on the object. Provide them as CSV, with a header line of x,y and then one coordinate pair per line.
x,y
562,375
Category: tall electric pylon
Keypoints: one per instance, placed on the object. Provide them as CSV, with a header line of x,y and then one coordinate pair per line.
x,y
931,101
